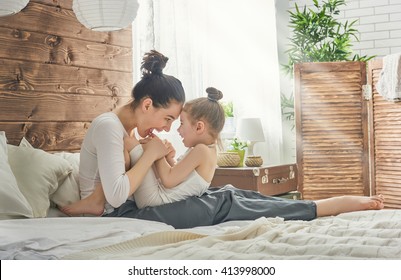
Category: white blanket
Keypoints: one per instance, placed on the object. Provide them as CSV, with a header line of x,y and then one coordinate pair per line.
x,y
359,235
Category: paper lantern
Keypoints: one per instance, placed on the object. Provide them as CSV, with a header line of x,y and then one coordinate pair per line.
x,y
10,7
105,15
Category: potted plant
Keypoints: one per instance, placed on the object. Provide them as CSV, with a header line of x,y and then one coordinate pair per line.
x,y
228,109
287,108
238,146
317,35
229,125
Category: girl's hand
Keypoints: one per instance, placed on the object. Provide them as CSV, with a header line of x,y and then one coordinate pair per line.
x,y
155,147
171,151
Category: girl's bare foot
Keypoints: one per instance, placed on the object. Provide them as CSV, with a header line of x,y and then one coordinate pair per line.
x,y
342,204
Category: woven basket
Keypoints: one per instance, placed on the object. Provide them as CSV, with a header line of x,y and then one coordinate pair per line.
x,y
228,159
253,161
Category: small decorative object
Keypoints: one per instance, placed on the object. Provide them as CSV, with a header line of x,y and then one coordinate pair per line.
x,y
239,147
11,7
251,130
253,161
228,159
105,15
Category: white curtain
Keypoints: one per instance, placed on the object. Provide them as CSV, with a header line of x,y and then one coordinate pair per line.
x,y
227,44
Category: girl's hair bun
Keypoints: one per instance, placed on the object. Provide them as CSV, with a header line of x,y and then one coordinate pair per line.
x,y
153,63
214,94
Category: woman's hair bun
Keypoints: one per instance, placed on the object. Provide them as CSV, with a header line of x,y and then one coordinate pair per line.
x,y
214,94
153,63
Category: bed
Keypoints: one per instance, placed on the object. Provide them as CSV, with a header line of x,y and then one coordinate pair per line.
x,y
31,227
56,77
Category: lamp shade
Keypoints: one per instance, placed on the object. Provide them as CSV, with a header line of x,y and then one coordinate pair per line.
x,y
105,15
10,7
250,129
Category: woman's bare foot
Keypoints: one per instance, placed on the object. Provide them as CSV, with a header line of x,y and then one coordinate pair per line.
x,y
342,204
84,206
93,204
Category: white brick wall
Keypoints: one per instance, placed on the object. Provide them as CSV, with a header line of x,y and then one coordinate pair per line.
x,y
379,24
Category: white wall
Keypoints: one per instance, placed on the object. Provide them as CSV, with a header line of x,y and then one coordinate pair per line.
x,y
379,25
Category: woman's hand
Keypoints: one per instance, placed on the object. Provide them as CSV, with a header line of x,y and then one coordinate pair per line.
x,y
130,142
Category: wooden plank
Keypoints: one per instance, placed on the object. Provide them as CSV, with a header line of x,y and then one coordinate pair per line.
x,y
329,67
49,136
51,49
32,76
41,106
59,21
66,4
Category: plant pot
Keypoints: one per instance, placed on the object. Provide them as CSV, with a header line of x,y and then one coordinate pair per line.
x,y
253,161
228,159
241,154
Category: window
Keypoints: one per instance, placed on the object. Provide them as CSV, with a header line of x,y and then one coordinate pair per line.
x,y
227,44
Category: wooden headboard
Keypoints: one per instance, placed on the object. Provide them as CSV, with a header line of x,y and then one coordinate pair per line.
x,y
56,75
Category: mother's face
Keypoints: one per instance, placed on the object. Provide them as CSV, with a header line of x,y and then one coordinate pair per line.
x,y
158,119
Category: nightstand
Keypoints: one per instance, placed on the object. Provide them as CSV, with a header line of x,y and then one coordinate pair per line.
x,y
268,180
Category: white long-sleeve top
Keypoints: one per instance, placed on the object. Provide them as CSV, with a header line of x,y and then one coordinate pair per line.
x,y
102,160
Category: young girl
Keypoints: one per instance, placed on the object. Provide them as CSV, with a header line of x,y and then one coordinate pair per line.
x,y
202,120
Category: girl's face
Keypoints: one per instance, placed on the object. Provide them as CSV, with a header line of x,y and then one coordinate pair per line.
x,y
187,130
158,119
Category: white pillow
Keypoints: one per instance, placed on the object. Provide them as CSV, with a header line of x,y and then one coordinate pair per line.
x,y
38,175
68,191
13,204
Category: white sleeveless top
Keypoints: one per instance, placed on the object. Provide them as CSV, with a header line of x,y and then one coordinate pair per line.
x,y
152,192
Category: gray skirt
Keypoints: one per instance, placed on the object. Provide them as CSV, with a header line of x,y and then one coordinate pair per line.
x,y
220,205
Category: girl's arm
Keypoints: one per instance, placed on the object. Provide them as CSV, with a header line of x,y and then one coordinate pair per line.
x,y
170,157
171,176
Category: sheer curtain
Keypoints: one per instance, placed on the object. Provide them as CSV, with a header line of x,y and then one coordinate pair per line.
x,y
227,44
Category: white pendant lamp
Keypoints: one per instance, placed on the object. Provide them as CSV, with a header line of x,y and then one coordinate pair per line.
x,y
105,15
10,7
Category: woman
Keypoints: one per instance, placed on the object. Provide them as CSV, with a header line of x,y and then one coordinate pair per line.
x,y
157,102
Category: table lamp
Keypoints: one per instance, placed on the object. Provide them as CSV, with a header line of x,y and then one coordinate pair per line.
x,y
250,129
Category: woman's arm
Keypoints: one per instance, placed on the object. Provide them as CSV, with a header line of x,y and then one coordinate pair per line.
x,y
118,184
171,176
154,149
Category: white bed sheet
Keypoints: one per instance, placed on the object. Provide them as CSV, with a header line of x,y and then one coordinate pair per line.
x,y
358,235
53,238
